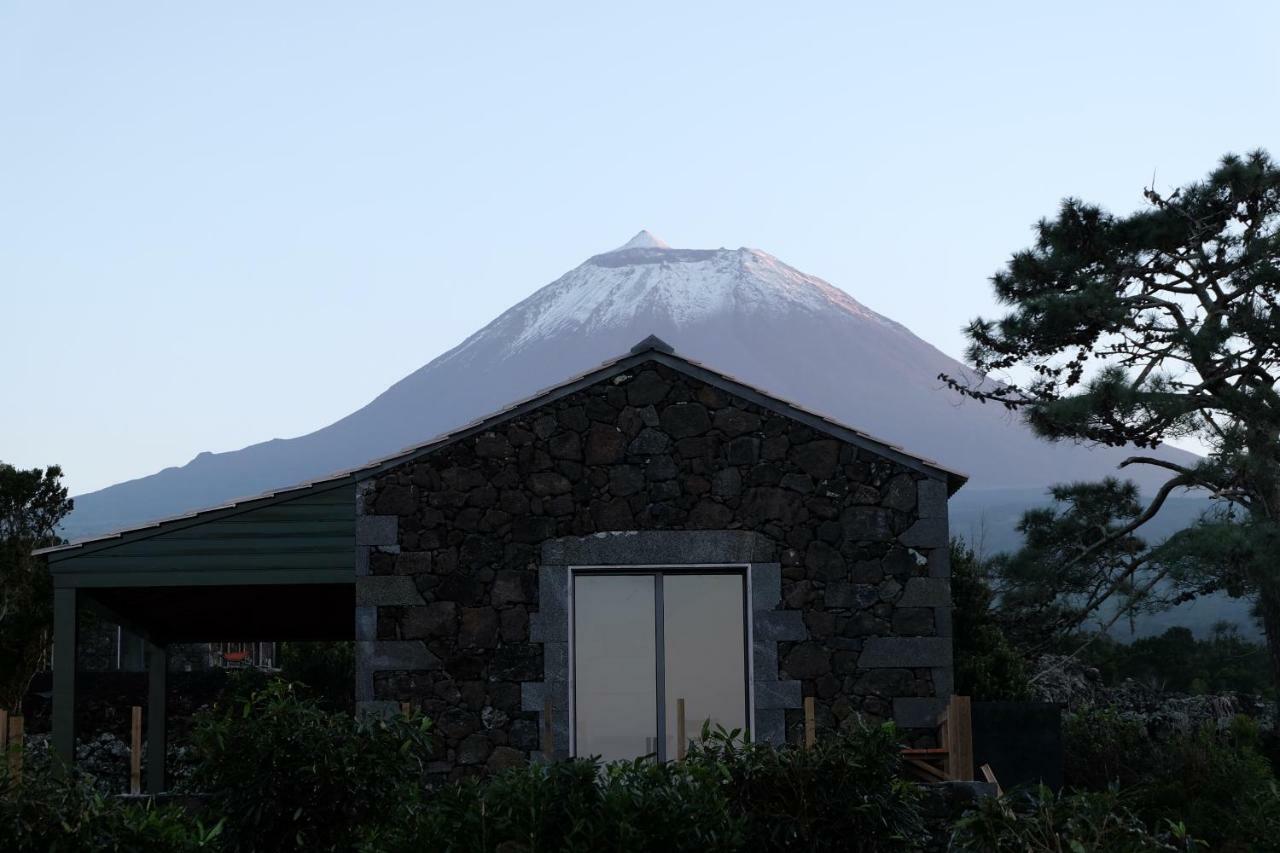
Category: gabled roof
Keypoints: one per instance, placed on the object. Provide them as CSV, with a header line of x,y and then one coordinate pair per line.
x,y
651,349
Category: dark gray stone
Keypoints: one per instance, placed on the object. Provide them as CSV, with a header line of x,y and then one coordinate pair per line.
x,y
387,591
684,420
649,441
905,652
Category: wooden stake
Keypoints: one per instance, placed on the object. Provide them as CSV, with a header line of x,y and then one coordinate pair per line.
x,y
682,740
989,775
405,709
4,732
810,724
15,748
135,752
959,739
548,731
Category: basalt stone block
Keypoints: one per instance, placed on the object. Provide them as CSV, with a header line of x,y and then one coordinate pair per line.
x,y
766,586
824,561
478,628
900,493
438,619
647,388
396,500
931,499
866,524
905,652
605,445
780,625
649,442
778,694
387,591
926,532
744,450
926,592
735,422
913,621
726,483
685,420
565,445
771,726
396,655
818,459
807,660
547,483
661,469
491,445
511,586
625,480
376,529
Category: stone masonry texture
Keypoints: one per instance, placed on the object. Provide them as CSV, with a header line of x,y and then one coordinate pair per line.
x,y
858,537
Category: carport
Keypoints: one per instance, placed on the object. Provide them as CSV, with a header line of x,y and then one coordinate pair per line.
x,y
276,567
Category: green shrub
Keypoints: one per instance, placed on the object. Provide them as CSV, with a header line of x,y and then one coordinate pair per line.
x,y
1219,784
577,805
287,774
1038,821
988,666
328,669
1102,748
844,794
47,814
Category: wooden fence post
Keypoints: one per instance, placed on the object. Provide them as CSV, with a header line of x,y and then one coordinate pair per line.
x,y
135,751
15,747
682,737
959,739
4,732
810,724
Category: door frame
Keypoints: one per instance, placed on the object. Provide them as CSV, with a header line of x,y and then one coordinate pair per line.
x,y
657,571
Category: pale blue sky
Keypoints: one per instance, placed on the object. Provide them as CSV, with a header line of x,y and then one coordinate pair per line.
x,y
226,222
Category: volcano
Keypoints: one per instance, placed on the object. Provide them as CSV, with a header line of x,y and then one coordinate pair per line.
x,y
740,311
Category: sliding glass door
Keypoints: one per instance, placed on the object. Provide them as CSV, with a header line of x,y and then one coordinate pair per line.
x,y
648,643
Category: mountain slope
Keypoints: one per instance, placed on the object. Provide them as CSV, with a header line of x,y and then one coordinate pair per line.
x,y
739,311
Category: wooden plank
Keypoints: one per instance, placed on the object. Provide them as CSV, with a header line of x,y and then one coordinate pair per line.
x,y
960,734
682,738
989,775
135,751
4,732
810,724
16,746
926,770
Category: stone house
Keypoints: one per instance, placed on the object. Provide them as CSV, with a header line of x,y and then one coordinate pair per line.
x,y
641,549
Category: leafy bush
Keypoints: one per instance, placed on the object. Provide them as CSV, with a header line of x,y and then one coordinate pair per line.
x,y
1218,783
287,774
328,669
47,814
1102,748
1038,821
844,794
577,805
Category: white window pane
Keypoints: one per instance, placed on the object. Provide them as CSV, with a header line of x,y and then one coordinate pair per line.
x,y
704,632
615,648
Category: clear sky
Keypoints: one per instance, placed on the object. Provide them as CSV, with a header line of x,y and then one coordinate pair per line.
x,y
226,222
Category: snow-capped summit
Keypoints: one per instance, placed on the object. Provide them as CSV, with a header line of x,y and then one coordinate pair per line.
x,y
644,240
739,311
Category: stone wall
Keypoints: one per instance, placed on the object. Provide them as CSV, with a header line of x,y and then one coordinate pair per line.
x,y
450,547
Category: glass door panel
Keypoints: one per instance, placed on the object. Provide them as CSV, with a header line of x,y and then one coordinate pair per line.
x,y
615,651
704,639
